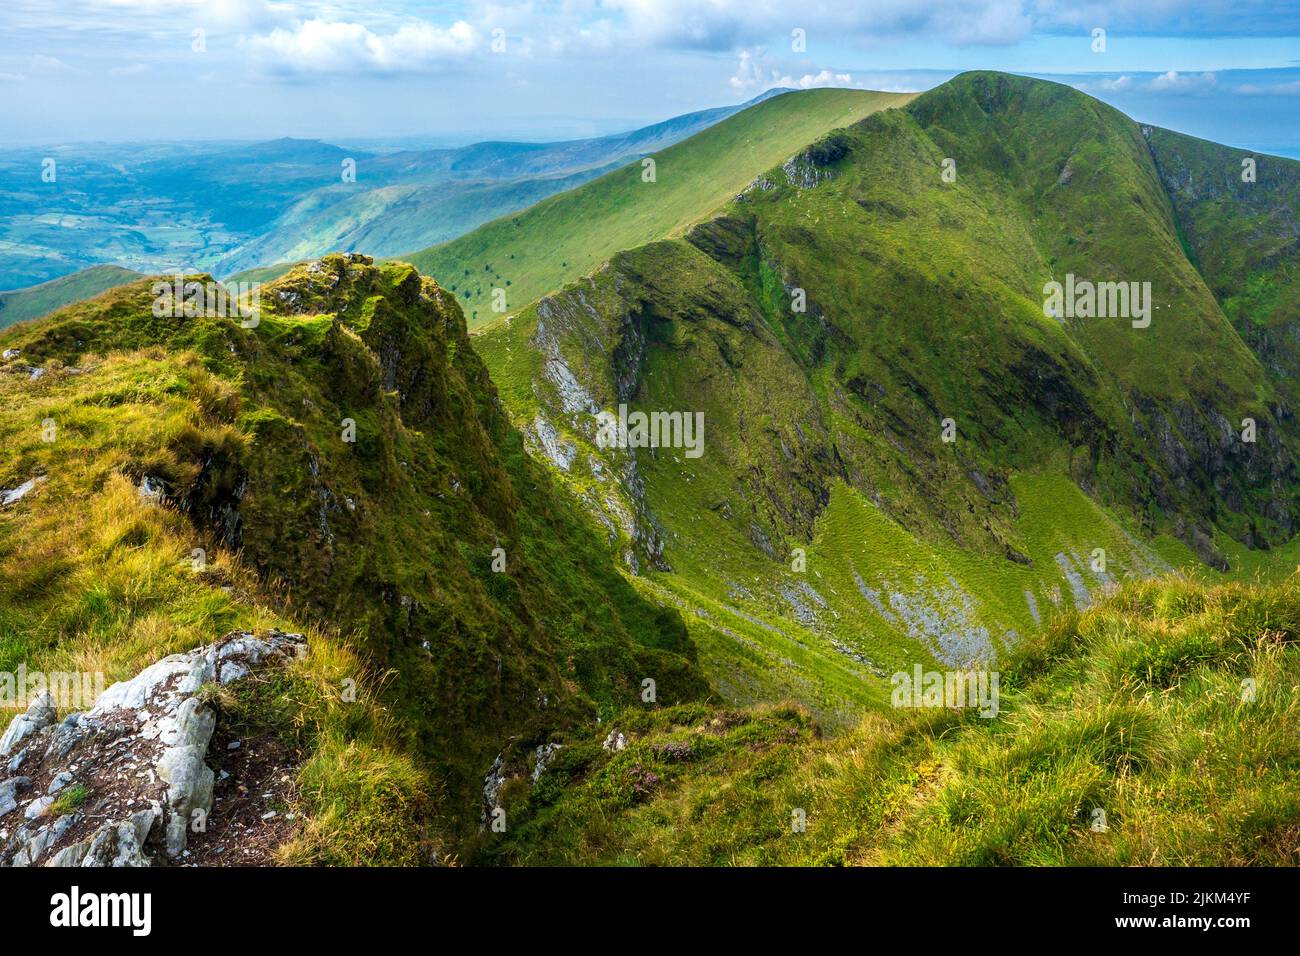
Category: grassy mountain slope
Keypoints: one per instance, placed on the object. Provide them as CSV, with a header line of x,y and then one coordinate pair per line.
x,y
1126,735
1244,237
415,198
1086,451
388,541
38,300
568,235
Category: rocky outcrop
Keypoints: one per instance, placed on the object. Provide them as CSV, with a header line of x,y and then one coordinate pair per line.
x,y
123,783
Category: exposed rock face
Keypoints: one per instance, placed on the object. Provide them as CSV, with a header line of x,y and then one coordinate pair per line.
x,y
120,784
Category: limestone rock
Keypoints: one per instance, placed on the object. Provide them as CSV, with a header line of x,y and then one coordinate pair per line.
x,y
40,714
143,743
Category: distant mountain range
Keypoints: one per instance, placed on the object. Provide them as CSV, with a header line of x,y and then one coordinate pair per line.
x,y
223,208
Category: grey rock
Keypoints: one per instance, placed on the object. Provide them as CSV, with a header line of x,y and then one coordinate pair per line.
x,y
39,715
545,754
232,671
16,763
70,855
38,806
9,791
10,495
152,729
189,787
115,844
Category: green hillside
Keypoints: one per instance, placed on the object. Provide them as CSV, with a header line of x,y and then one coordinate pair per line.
x,y
907,460
382,547
387,219
35,301
1241,231
1157,729
1086,451
566,236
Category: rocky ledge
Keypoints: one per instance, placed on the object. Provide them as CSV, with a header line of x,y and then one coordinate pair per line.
x,y
123,783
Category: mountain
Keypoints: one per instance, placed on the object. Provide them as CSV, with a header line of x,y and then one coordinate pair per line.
x,y
828,523
232,207
559,240
176,433
431,196
31,303
895,447
1242,231
385,219
833,323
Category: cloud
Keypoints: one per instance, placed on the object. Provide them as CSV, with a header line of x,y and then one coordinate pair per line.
x,y
135,69
1171,81
1175,82
40,63
324,46
1269,89
731,24
752,77
1117,84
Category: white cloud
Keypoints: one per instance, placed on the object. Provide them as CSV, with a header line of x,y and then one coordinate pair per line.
x,y
753,77
324,46
1175,82
748,76
1118,84
41,63
1269,89
135,69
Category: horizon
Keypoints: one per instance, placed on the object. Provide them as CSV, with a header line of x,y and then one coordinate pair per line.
x,y
430,140
465,72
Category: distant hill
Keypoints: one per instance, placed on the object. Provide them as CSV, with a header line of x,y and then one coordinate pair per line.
x,y
225,207
415,198
38,300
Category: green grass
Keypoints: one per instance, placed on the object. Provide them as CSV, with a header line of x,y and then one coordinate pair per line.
x,y
822,441
822,427
1135,708
561,238
20,305
380,550
1241,237
69,801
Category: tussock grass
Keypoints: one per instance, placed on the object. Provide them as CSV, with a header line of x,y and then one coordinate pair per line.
x,y
1135,708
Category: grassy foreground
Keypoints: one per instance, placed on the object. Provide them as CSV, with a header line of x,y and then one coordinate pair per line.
x,y
1171,708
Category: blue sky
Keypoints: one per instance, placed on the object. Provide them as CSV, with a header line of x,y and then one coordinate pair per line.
x,y
81,70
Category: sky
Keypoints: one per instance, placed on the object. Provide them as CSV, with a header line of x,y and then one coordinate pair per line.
x,y
455,72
